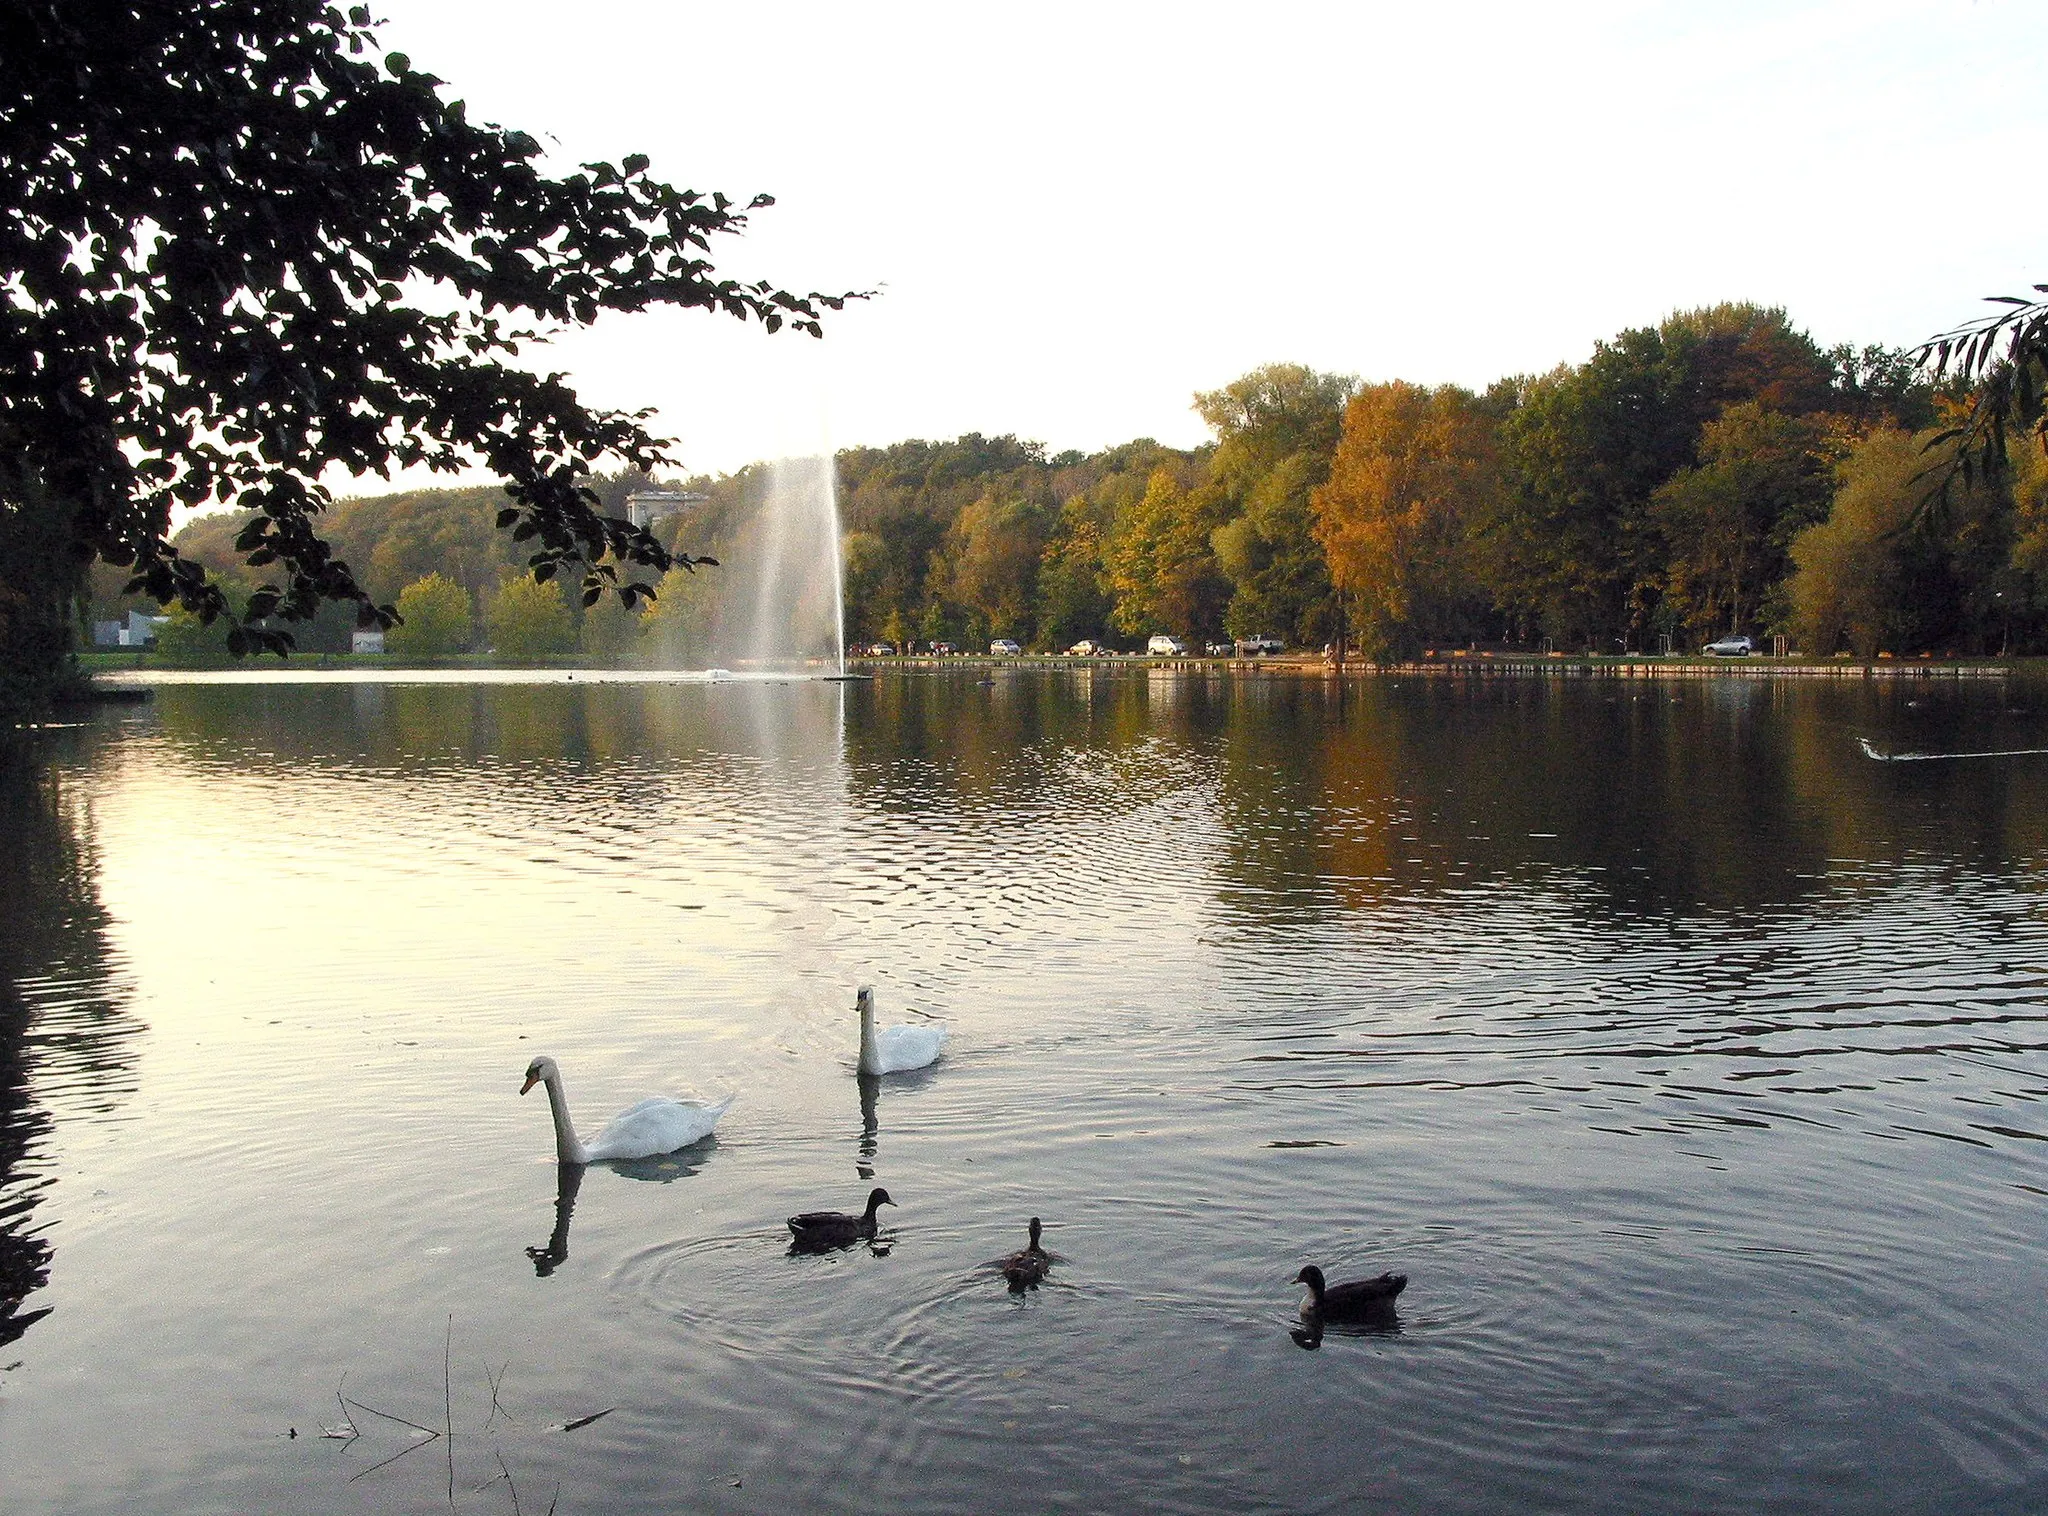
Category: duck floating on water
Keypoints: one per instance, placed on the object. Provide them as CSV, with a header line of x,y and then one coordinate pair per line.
x,y
819,1230
657,1124
1360,1300
1027,1266
894,1049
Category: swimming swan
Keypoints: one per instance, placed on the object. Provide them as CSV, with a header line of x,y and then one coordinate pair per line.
x,y
894,1049
656,1125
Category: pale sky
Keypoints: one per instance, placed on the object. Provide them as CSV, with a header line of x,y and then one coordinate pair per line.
x,y
1076,215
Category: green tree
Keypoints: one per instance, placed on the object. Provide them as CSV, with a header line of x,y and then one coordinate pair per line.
x,y
674,630
1728,523
528,618
184,638
1574,544
1881,574
2021,593
236,253
1072,602
1159,563
864,558
993,553
1276,431
434,617
608,631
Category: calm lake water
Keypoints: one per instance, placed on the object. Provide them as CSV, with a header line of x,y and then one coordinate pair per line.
x,y
1690,1063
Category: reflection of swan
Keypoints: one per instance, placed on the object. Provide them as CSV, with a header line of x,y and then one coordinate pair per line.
x,y
656,1125
816,1230
1026,1267
870,1123
897,1048
1361,1300
568,1180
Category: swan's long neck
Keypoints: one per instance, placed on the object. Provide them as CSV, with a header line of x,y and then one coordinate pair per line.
x,y
870,1054
567,1148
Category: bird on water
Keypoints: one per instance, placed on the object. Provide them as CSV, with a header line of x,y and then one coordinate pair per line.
x,y
656,1125
894,1049
836,1229
1359,1300
1027,1266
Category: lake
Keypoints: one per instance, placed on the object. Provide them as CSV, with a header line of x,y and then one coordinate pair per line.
x,y
1689,1062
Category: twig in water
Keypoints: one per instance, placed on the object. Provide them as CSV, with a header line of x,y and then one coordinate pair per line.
x,y
557,1498
448,1400
580,1421
345,1433
509,1484
389,1417
389,1461
496,1384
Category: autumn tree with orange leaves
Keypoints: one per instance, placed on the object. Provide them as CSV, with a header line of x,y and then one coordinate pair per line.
x,y
1415,466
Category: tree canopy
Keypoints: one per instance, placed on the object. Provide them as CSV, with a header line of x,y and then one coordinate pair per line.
x,y
1713,472
238,249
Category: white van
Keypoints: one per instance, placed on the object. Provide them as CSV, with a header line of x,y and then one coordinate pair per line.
x,y
1163,646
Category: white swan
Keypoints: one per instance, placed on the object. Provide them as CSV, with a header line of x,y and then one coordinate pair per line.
x,y
656,1125
896,1048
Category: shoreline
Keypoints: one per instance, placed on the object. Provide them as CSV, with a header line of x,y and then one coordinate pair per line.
x,y
106,671
1501,666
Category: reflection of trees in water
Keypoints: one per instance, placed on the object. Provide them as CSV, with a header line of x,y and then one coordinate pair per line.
x,y
1649,796
63,1021
1425,786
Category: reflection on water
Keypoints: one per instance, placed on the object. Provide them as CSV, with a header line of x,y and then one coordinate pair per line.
x,y
1309,1334
64,1034
870,1086
568,1180
1690,1063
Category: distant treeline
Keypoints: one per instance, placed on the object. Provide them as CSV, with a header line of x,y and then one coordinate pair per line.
x,y
1716,473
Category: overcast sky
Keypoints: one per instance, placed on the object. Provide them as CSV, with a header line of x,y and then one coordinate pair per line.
x,y
1077,215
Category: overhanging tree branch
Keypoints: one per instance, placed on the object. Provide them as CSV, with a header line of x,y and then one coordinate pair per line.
x,y
236,252
2001,359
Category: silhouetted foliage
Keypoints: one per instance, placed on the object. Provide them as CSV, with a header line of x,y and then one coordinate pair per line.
x,y
2001,361
236,251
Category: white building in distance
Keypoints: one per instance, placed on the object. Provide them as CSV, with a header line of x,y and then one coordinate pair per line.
x,y
645,507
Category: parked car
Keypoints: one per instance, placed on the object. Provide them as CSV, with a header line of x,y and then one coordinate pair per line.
x,y
1163,646
1730,647
1259,646
1003,647
943,649
1087,647
880,650
1221,649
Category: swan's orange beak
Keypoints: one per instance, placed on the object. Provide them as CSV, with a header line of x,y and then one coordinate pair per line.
x,y
530,1083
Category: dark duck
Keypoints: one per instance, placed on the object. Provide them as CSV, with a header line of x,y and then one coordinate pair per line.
x,y
1026,1267
836,1229
1360,1300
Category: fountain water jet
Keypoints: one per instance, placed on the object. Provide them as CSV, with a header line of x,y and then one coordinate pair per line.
x,y
782,593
